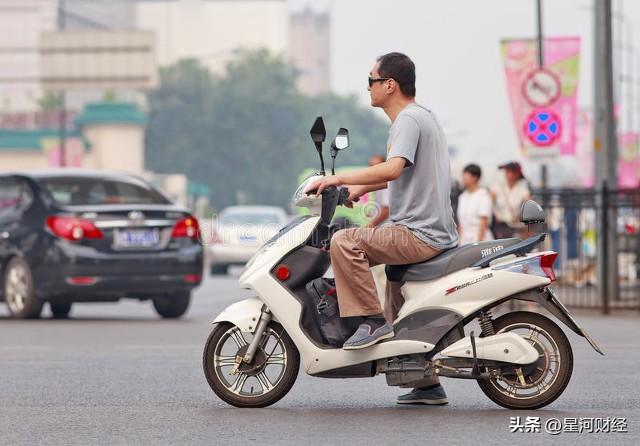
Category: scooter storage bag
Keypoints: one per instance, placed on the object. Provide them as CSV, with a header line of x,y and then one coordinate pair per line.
x,y
334,329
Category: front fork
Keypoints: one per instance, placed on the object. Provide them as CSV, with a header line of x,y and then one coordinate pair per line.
x,y
265,318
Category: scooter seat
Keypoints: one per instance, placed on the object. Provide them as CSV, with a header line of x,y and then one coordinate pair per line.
x,y
448,261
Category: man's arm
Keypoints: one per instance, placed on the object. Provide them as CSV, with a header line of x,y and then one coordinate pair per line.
x,y
370,176
382,216
374,175
373,187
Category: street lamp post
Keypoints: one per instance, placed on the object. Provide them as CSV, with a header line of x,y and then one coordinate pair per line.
x,y
606,152
540,41
62,98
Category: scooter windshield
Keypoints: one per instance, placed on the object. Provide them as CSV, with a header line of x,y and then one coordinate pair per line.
x,y
300,192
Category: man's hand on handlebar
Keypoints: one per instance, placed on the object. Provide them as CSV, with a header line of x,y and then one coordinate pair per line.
x,y
355,192
321,184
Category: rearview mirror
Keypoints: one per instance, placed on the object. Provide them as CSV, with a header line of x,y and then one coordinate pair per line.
x,y
341,140
318,132
531,213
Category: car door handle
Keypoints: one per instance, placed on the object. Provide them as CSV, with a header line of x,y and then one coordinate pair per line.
x,y
5,234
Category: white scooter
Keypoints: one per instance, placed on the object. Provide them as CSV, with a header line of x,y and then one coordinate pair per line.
x,y
521,360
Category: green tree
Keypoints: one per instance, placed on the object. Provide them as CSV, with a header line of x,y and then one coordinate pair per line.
x,y
178,117
246,133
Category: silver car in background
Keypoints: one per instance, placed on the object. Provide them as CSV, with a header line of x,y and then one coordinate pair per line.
x,y
239,232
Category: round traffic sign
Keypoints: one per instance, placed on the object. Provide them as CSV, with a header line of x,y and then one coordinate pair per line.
x,y
541,87
543,127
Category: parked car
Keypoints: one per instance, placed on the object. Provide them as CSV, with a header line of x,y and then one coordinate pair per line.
x,y
239,232
71,235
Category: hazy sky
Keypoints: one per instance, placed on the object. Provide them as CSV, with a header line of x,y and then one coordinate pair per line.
x,y
455,45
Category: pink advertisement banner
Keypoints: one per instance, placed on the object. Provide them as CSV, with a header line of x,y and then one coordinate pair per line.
x,y
629,160
537,93
628,155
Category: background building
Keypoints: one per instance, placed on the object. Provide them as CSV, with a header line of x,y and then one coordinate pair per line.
x,y
106,135
23,21
310,50
212,30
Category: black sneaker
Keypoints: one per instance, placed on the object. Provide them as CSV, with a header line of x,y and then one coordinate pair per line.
x,y
368,333
434,396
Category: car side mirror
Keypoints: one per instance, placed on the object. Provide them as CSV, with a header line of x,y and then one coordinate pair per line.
x,y
531,213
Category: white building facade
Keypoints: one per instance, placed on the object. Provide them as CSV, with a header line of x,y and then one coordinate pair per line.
x,y
212,31
21,24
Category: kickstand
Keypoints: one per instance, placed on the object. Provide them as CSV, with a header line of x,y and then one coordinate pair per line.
x,y
475,371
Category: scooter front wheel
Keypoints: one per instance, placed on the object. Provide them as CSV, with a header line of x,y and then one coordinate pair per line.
x,y
535,385
264,381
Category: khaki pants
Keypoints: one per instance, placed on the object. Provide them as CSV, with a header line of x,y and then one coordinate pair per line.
x,y
355,251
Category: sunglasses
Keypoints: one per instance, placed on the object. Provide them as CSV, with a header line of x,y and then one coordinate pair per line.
x,y
378,79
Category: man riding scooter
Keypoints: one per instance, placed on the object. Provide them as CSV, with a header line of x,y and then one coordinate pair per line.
x,y
417,174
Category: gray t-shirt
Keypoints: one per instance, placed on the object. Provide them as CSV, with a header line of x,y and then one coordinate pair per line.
x,y
420,197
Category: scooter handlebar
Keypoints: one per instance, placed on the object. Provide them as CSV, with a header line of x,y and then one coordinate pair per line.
x,y
343,198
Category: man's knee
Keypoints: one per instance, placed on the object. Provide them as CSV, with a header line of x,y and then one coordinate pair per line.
x,y
340,240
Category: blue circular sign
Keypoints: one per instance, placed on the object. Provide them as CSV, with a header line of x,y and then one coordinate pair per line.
x,y
543,127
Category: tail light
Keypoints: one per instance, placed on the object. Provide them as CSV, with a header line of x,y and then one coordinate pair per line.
x,y
187,227
192,278
546,263
81,280
541,266
72,228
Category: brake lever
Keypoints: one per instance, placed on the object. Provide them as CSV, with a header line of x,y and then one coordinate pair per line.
x,y
344,197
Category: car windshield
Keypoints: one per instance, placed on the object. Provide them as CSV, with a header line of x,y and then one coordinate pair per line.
x,y
252,218
79,191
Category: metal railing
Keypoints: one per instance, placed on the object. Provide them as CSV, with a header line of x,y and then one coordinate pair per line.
x,y
597,236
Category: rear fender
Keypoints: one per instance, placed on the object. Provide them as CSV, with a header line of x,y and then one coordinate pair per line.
x,y
550,302
244,314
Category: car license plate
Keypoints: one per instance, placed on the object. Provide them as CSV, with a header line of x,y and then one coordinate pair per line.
x,y
248,239
136,238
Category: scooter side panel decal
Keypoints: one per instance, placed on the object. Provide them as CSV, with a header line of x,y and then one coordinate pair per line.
x,y
466,284
465,301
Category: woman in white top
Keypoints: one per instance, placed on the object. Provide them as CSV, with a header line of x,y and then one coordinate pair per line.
x,y
474,208
508,197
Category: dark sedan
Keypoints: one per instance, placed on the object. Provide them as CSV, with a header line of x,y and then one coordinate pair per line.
x,y
89,236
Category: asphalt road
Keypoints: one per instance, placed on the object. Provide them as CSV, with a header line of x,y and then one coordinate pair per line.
x,y
117,374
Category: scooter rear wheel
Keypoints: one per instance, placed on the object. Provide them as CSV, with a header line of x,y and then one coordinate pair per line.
x,y
545,379
266,380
